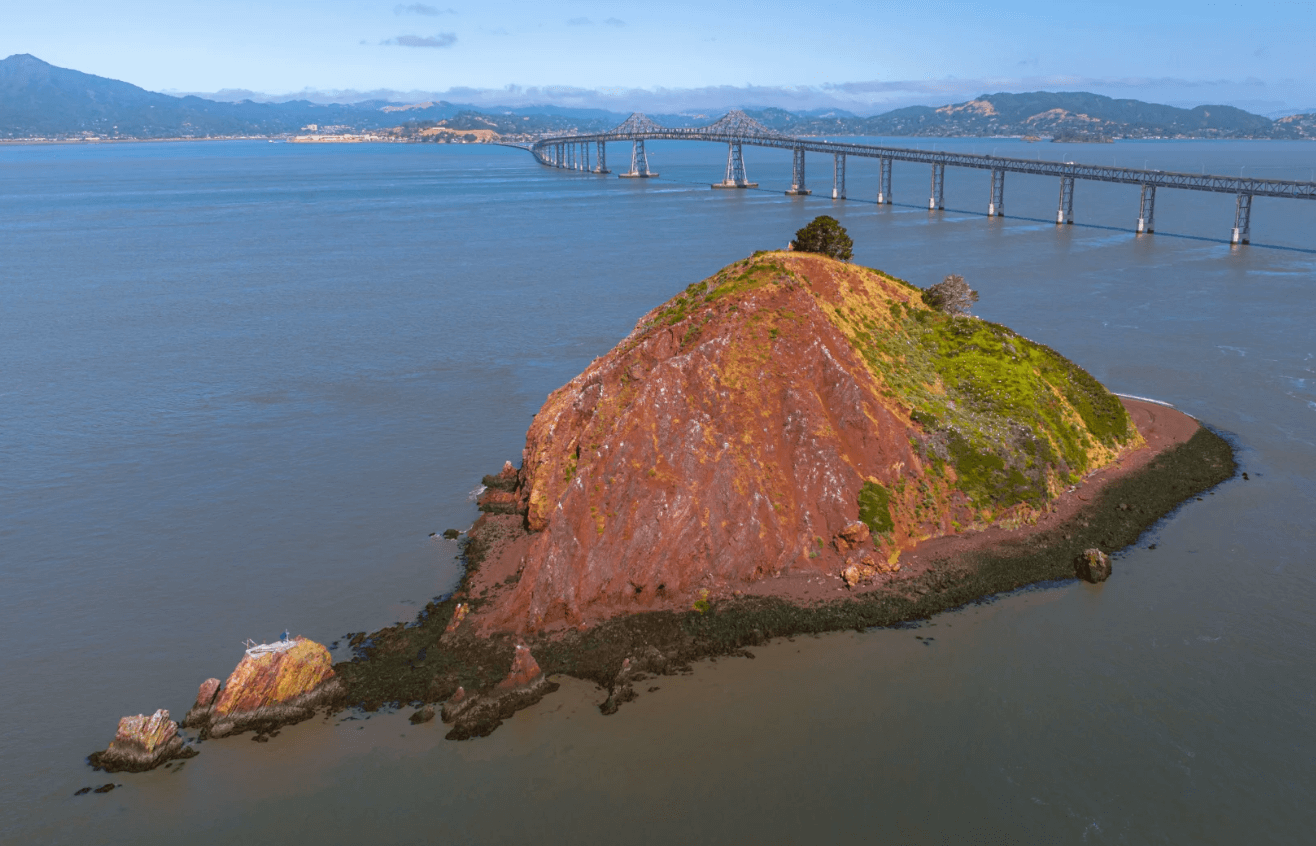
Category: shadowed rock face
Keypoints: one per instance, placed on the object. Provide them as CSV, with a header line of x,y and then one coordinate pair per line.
x,y
743,428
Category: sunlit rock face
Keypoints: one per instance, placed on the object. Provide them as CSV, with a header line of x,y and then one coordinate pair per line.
x,y
744,428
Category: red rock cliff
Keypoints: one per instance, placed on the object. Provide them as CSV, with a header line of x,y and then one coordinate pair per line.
x,y
734,434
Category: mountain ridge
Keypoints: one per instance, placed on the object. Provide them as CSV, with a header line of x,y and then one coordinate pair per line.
x,y
41,101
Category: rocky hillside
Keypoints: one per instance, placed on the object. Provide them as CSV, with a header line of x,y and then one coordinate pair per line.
x,y
746,426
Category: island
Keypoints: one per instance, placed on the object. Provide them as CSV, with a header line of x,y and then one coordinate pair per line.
x,y
796,444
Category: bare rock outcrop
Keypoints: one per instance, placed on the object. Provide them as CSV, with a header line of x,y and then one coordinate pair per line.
x,y
272,685
790,414
142,743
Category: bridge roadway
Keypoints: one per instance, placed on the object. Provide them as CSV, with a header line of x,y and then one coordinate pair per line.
x,y
737,129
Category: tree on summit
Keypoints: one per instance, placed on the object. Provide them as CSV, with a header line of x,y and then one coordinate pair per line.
x,y
824,235
951,295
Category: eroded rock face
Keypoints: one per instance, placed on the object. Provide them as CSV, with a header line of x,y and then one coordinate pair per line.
x,y
268,689
142,743
759,424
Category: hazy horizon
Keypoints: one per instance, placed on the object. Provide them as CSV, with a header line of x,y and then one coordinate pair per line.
x,y
866,58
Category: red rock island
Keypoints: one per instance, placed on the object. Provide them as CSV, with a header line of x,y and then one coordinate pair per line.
x,y
790,416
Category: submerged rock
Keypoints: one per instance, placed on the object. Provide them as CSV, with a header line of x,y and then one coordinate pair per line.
x,y
269,687
142,743
1093,566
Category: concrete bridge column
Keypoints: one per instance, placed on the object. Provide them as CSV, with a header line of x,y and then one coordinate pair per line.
x,y
996,205
838,176
1242,233
1147,210
938,187
1065,214
884,181
601,157
797,174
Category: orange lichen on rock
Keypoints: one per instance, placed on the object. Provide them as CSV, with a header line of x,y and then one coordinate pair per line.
x,y
272,678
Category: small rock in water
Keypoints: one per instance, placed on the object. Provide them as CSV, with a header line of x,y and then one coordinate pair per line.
x,y
424,714
142,743
1245,477
1093,566
451,534
104,788
83,791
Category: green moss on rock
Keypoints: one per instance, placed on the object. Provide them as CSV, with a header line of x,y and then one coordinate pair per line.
x,y
875,507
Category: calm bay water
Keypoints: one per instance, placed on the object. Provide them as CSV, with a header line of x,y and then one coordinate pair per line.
x,y
241,383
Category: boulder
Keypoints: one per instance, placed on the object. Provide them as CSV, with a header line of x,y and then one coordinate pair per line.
x,y
273,685
142,743
853,536
1092,565
458,614
524,672
205,697
495,501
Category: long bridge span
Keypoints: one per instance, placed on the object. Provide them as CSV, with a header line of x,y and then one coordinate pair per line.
x,y
588,153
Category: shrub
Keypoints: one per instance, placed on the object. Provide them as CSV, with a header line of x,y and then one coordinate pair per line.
x,y
951,295
824,235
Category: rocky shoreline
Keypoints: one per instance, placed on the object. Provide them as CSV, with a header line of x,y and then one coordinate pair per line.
x,y
425,664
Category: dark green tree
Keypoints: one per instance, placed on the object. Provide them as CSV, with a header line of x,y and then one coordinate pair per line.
x,y
951,295
824,235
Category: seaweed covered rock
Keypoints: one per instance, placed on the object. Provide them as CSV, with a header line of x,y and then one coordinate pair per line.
x,y
1093,566
142,743
744,427
273,685
478,716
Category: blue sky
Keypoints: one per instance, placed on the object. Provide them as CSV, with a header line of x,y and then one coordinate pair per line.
x,y
867,56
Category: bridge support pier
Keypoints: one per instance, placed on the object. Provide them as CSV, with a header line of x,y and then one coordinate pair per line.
x,y
601,157
935,202
797,174
639,163
1065,214
884,181
1242,233
838,176
735,176
996,204
1147,210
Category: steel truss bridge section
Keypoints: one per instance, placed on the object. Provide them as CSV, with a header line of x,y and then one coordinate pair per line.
x,y
737,129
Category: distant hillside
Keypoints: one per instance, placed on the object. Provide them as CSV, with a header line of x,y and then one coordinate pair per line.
x,y
1052,113
39,100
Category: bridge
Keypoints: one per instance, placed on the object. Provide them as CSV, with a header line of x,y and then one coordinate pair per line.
x,y
588,153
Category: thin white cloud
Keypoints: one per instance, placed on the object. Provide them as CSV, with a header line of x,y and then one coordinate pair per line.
x,y
443,39
580,22
615,22
421,9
